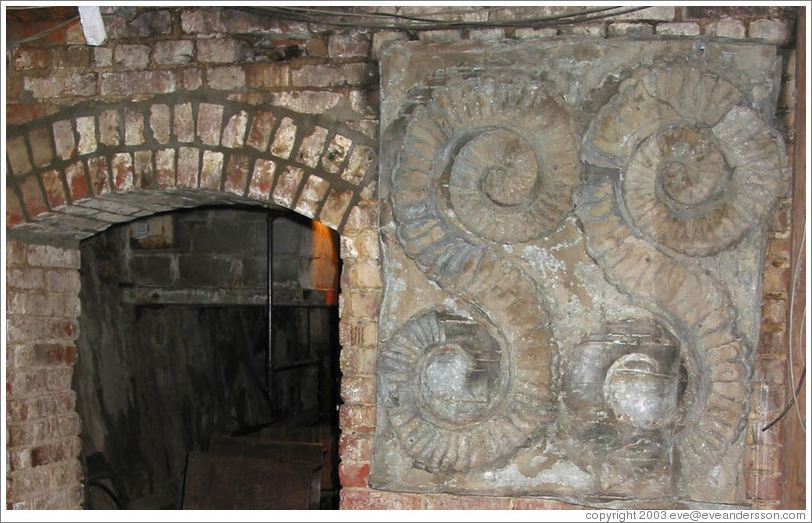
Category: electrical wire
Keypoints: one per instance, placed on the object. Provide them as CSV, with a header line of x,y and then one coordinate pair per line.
x,y
797,390
45,33
800,331
404,22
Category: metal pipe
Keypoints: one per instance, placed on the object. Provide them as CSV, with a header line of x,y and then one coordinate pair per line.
x,y
269,358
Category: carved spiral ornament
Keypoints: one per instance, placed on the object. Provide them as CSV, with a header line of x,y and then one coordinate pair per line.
x,y
498,154
697,170
484,161
455,401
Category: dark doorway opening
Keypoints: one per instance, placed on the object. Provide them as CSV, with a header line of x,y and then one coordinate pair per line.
x,y
175,349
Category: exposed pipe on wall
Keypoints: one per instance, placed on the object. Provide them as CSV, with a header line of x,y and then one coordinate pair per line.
x,y
269,358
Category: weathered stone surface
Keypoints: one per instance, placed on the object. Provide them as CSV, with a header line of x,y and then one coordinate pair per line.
x,y
209,118
133,128
64,140
18,155
108,128
260,133
631,311
159,117
234,131
311,147
173,52
86,127
183,124
282,144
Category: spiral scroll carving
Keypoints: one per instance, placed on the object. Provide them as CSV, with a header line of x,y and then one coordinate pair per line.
x,y
455,399
696,172
485,161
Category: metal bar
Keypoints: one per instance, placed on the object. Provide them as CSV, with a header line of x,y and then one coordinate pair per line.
x,y
269,358
304,363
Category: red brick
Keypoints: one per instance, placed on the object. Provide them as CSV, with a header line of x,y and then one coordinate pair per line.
x,y
770,371
773,436
24,409
14,88
359,304
357,418
97,169
23,383
49,256
226,78
352,474
42,148
26,58
764,459
358,334
63,329
358,389
543,504
260,133
212,170
18,114
54,189
763,488
355,447
58,379
77,181
138,82
262,179
776,282
237,174
14,211
74,56
772,342
55,452
774,311
352,499
768,400
122,166
53,354
209,118
358,360
33,199
777,254
450,502
188,167
61,85
165,168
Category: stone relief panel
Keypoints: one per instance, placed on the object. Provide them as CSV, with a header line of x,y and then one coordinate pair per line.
x,y
572,236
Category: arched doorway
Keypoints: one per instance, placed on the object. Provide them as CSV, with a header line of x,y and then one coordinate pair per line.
x,y
92,174
175,349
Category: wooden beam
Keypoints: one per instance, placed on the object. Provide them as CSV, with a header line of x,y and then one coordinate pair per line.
x,y
794,487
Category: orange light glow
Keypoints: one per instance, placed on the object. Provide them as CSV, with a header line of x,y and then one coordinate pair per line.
x,y
325,262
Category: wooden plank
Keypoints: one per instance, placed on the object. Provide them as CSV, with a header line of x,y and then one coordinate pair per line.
x,y
309,454
224,481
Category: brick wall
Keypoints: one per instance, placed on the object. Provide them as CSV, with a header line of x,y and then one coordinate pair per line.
x,y
42,306
187,106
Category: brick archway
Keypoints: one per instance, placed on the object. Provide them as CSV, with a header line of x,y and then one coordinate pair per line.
x,y
79,171
75,173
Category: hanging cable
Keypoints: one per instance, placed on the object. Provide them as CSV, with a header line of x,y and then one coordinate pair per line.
x,y
795,392
44,33
357,20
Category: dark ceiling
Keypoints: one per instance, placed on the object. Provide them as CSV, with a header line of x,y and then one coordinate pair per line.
x,y
26,22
